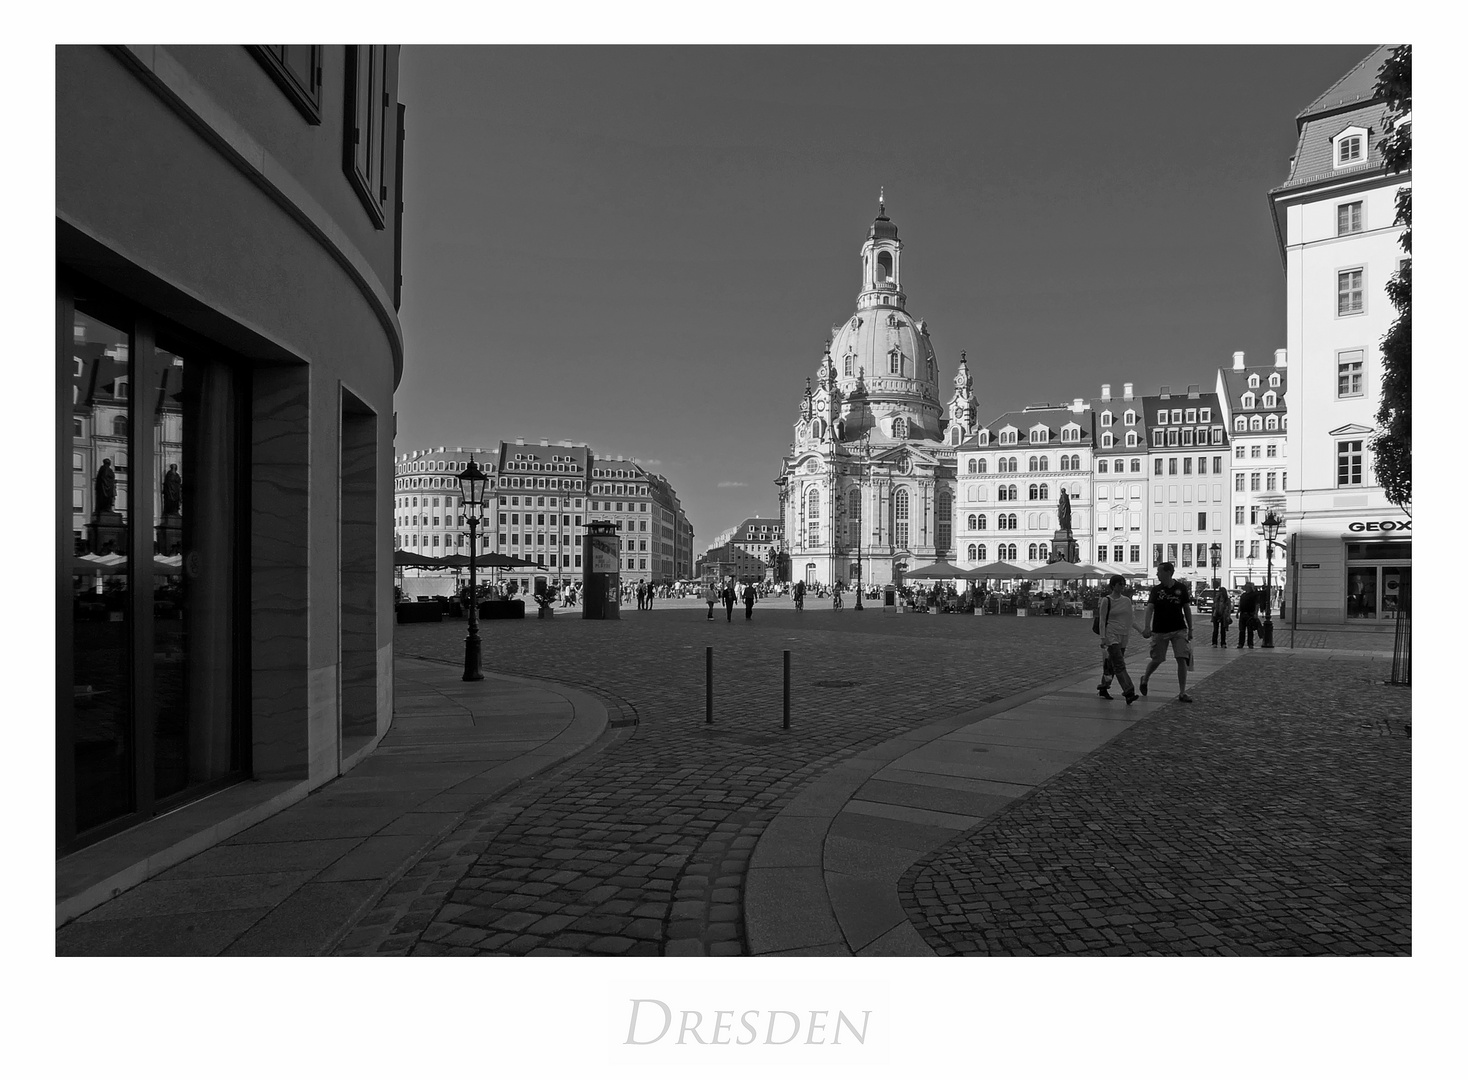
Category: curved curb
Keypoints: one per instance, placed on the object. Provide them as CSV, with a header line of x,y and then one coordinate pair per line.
x,y
589,724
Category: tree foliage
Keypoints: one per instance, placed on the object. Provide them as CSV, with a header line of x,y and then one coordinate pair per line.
x,y
1392,445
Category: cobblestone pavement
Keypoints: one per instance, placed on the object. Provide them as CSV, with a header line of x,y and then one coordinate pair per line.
x,y
1272,816
640,845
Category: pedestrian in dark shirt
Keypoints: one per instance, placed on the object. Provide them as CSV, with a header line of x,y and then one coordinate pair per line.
x,y
1221,608
1248,613
729,597
1169,619
749,596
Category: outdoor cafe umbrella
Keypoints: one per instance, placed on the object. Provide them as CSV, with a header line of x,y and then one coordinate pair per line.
x,y
1001,571
409,558
942,570
1062,571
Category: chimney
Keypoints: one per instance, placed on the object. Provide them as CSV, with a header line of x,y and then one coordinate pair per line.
x,y
1075,406
1106,391
519,442
1126,391
1193,391
544,442
1164,393
1281,357
1238,361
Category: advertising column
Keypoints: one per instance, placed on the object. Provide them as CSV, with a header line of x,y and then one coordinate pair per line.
x,y
601,578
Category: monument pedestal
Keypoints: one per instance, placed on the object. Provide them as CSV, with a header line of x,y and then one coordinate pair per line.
x,y
168,535
107,533
1063,546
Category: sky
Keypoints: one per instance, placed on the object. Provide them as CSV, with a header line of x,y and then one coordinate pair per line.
x,y
644,249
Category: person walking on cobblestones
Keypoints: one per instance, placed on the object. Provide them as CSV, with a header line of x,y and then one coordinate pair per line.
x,y
749,598
1248,607
711,597
729,596
1115,615
1221,608
1169,619
800,596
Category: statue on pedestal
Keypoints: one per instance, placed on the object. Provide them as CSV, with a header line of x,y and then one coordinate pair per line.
x,y
172,491
1064,510
106,487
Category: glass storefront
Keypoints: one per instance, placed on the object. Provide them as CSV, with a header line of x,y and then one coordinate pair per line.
x,y
1378,579
148,707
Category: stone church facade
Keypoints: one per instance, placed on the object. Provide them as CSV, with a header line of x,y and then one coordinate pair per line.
x,y
868,486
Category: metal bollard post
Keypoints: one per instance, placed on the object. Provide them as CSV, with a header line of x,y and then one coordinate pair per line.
x,y
708,684
786,724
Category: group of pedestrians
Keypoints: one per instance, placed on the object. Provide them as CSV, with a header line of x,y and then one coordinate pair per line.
x,y
1167,620
728,593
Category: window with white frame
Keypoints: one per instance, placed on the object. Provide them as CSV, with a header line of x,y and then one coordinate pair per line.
x,y
1348,462
1271,422
1106,418
1107,439
1270,399
1349,366
1350,147
1129,418
1131,438
1348,218
1350,292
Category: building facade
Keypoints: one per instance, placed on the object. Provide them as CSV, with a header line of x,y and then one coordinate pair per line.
x,y
1011,473
748,552
1120,485
1190,466
1333,217
1253,401
867,488
427,517
224,543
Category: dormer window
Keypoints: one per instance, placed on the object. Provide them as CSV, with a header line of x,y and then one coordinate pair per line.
x,y
1131,438
1269,399
1350,147
1039,434
1254,381
983,438
1247,401
1106,418
1162,416
1070,433
1204,416
1130,418
1008,436
1274,379
1191,416
1107,440
1177,416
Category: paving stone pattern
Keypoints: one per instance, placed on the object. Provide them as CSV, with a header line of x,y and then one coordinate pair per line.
x,y
640,845
1270,817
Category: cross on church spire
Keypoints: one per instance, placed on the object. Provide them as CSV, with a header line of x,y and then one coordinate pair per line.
x,y
882,199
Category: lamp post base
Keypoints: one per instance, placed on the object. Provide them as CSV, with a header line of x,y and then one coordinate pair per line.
x,y
472,657
1266,634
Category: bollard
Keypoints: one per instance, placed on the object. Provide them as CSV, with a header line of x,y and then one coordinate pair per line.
x,y
786,724
708,684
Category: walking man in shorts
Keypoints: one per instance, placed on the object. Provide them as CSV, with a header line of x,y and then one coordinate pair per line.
x,y
1169,619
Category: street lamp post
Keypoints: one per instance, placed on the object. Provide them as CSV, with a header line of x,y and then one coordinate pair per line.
x,y
1272,523
471,496
1215,552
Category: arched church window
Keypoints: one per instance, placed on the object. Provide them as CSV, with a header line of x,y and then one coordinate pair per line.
x,y
1044,491
894,363
850,364
900,511
899,428
983,522
973,553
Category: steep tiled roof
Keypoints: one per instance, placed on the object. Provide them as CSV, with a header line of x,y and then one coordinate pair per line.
x,y
1237,383
1355,87
1022,420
